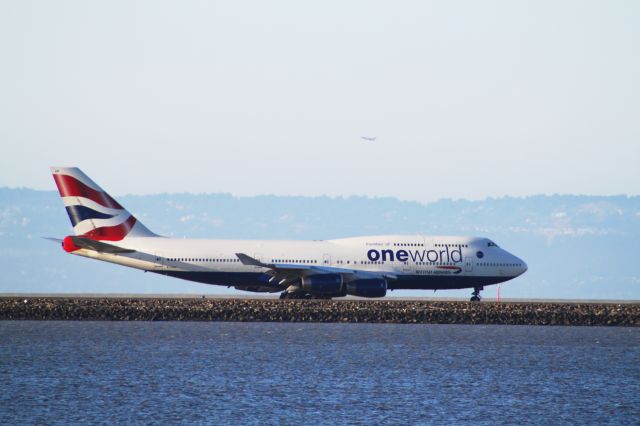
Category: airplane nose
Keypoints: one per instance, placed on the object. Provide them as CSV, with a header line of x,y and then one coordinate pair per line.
x,y
523,266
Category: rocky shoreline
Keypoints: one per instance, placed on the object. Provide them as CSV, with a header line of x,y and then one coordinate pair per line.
x,y
345,311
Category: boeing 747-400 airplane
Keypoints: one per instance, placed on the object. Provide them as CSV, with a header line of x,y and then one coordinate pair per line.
x,y
360,266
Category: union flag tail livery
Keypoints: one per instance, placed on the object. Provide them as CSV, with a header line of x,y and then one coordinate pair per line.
x,y
360,266
94,214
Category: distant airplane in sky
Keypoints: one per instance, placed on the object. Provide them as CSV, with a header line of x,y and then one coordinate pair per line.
x,y
360,266
370,139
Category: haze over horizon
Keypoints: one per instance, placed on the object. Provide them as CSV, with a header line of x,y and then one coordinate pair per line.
x,y
341,196
466,99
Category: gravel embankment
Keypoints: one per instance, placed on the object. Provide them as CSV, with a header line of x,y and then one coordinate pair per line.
x,y
355,311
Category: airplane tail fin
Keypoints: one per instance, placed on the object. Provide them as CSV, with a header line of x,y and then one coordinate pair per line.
x,y
93,213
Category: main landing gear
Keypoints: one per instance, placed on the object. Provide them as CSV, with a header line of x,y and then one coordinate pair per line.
x,y
475,296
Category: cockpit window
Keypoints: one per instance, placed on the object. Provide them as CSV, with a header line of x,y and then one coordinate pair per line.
x,y
491,244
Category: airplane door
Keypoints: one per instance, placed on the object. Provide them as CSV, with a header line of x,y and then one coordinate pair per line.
x,y
468,264
326,259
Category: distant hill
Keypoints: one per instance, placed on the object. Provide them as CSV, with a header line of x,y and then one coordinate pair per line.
x,y
576,246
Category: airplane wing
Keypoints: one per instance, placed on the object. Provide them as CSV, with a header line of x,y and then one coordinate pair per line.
x,y
287,272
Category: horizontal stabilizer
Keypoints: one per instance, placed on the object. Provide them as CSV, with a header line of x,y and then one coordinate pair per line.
x,y
55,240
89,244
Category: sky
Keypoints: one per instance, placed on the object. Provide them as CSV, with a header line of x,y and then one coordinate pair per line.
x,y
466,99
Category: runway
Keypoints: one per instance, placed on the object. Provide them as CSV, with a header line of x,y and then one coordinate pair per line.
x,y
389,310
275,296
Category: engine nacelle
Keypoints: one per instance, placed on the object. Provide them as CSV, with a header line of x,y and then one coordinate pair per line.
x,y
325,284
373,287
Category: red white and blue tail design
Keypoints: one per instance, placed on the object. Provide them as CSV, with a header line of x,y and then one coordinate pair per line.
x,y
94,213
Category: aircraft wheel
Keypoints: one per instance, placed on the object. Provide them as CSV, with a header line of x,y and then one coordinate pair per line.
x,y
475,296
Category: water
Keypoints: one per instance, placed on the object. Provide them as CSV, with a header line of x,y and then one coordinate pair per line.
x,y
268,373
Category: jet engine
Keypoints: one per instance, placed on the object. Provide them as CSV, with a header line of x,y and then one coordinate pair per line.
x,y
325,284
374,287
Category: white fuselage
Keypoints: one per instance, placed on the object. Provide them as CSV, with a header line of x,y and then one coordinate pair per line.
x,y
410,262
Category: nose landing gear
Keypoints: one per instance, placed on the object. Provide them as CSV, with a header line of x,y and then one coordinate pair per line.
x,y
475,296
